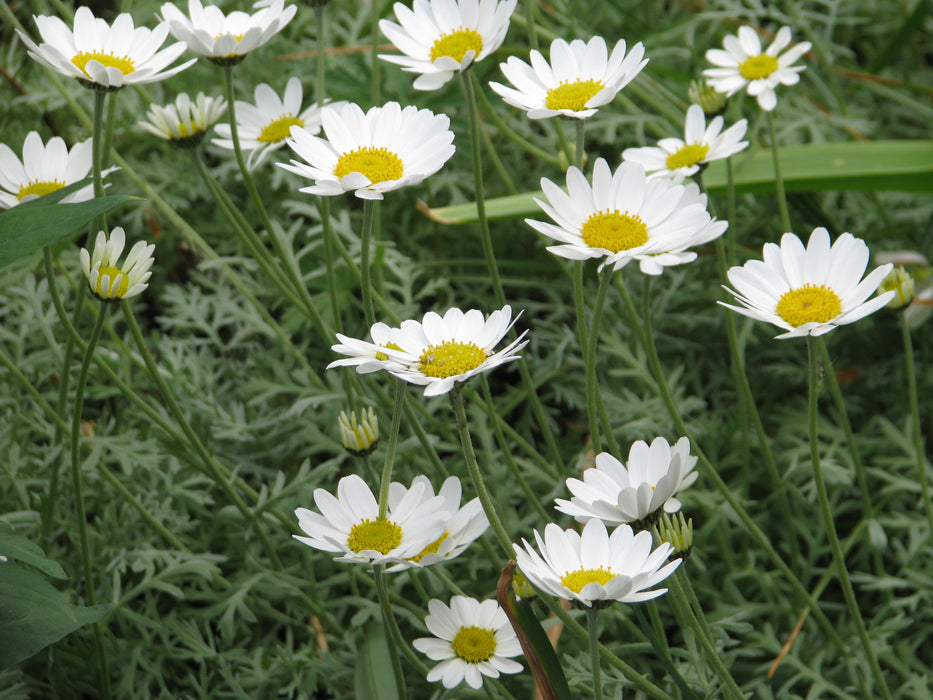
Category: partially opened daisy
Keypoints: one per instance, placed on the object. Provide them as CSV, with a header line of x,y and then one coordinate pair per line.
x,y
742,64
369,154
368,356
471,639
441,37
581,77
226,39
623,216
701,144
596,567
809,291
107,278
184,122
350,524
105,56
640,489
263,127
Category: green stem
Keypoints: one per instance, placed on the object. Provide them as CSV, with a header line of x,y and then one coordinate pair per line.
x,y
778,180
915,418
396,641
591,387
579,153
592,619
97,149
390,448
730,212
829,523
530,22
366,243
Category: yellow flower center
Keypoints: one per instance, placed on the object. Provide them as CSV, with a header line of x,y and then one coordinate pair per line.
x,y
474,644
380,535
758,67
809,303
113,290
377,164
381,356
576,580
687,155
450,358
188,130
123,64
613,231
572,95
276,130
455,44
430,549
39,189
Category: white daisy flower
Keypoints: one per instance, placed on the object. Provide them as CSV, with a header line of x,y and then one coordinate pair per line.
x,y
226,39
263,127
623,216
627,494
471,639
365,356
808,291
596,567
743,65
108,279
349,523
463,526
702,144
580,77
443,37
185,122
104,56
368,154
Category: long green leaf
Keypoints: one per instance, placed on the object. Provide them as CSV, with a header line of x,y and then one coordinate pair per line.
x,y
17,547
375,675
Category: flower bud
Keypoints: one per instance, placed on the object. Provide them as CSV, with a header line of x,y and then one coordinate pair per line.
x,y
359,437
712,102
677,532
902,284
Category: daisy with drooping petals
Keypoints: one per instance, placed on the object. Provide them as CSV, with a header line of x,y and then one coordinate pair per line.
x,y
628,494
742,64
349,523
109,280
104,56
623,216
226,39
809,291
701,144
265,126
595,567
443,37
368,154
185,122
580,77
471,639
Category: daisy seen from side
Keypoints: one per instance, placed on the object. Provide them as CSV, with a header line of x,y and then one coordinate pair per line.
x,y
580,78
368,356
184,122
108,279
471,639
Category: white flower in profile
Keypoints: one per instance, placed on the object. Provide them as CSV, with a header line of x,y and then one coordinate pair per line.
x,y
365,356
104,56
369,154
263,127
702,144
106,277
471,639
645,485
226,39
596,568
812,290
623,216
580,77
742,64
184,122
441,37
350,524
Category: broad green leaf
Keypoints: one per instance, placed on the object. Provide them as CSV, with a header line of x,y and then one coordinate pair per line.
x,y
375,674
33,614
905,166
18,547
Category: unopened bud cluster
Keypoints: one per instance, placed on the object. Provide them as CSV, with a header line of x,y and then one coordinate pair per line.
x,y
359,437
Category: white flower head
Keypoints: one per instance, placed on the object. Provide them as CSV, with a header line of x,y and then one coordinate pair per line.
x,y
104,56
595,567
184,122
809,291
226,39
471,639
107,278
581,77
624,216
645,485
742,64
369,154
441,37
365,356
702,144
350,524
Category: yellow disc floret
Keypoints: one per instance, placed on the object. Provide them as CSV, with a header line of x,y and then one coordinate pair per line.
x,y
377,164
474,644
686,156
450,358
39,189
807,304
572,95
614,231
381,356
280,128
430,549
122,63
114,289
758,67
380,535
456,43
576,580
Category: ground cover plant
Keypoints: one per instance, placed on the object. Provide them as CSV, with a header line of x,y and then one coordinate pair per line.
x,y
465,349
